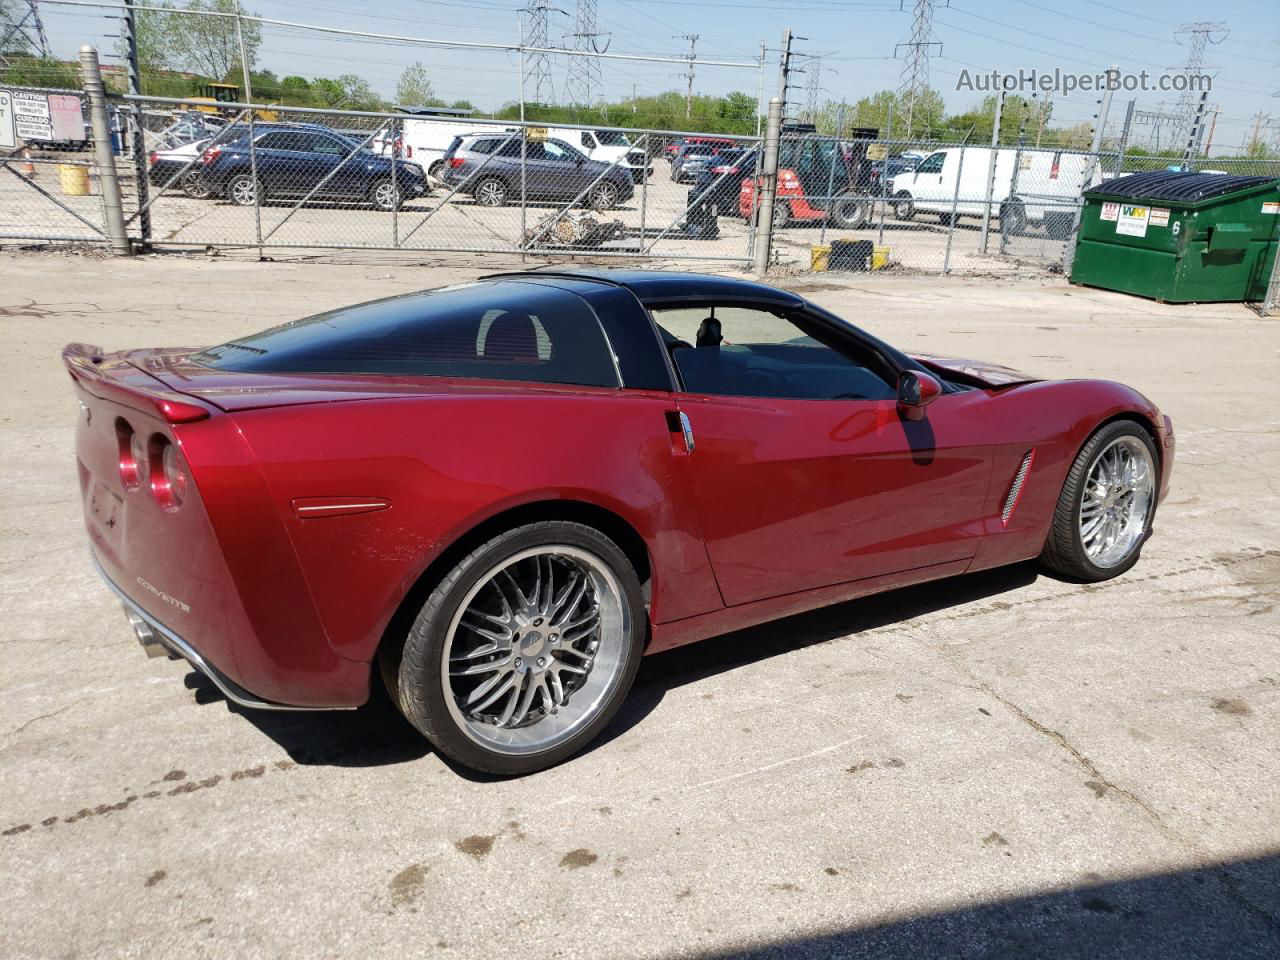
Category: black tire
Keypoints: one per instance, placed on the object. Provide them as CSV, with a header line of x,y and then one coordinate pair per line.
x,y
850,213
1064,551
384,196
420,687
781,214
242,191
603,196
945,219
904,207
490,192
195,186
1013,218
436,170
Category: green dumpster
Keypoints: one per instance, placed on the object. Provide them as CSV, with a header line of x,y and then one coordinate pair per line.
x,y
1180,237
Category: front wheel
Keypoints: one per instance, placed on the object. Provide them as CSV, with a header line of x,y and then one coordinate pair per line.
x,y
525,650
1013,218
781,214
195,186
385,196
850,213
1108,501
904,207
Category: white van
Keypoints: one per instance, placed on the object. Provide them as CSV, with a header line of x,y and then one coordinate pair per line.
x,y
423,141
609,146
1044,188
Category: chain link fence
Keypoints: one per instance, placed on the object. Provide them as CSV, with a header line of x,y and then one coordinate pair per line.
x,y
253,176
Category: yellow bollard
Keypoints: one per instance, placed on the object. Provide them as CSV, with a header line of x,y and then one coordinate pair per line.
x,y
879,257
73,179
820,257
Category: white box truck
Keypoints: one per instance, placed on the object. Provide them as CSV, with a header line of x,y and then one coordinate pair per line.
x,y
1030,186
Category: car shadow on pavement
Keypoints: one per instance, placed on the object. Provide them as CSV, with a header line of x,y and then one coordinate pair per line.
x,y
377,735
1226,911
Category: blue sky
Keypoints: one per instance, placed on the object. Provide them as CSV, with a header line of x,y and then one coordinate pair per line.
x,y
856,37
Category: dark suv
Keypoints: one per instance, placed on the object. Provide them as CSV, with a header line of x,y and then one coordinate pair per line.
x,y
294,159
553,171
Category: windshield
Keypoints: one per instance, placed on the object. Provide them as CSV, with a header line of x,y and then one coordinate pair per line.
x,y
612,138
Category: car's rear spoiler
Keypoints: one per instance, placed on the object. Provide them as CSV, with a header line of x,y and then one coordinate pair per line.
x,y
115,379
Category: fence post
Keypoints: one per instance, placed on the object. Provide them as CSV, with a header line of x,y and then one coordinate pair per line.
x,y
137,142
91,78
951,223
768,187
991,172
1094,161
1271,299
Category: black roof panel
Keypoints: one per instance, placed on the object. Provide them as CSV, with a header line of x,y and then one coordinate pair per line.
x,y
656,286
1187,188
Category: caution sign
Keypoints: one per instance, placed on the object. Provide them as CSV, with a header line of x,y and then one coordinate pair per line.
x,y
536,133
31,116
1269,207
1159,216
8,135
1133,220
877,151
1110,211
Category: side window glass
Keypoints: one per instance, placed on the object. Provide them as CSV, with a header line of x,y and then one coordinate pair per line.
x,y
587,141
322,144
556,151
933,164
743,352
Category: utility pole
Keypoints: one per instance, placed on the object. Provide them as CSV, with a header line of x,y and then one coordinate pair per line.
x,y
1192,148
1124,136
784,70
914,82
96,96
1045,110
1257,125
538,65
1201,34
1213,125
688,99
584,72
1099,126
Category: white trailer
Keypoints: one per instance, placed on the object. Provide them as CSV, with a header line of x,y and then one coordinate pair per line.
x,y
1030,185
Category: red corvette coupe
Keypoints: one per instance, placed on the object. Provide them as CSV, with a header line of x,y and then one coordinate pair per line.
x,y
498,496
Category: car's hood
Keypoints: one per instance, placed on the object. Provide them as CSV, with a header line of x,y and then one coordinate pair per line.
x,y
989,374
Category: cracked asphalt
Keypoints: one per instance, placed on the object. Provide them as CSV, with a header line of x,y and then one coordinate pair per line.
x,y
1002,765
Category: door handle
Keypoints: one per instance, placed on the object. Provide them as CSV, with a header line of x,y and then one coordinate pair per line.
x,y
678,422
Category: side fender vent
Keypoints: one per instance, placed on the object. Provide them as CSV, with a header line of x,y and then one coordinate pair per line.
x,y
1015,490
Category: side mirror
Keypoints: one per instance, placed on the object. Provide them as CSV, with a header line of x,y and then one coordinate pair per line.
x,y
916,390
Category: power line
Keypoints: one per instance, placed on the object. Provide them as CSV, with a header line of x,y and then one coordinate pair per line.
x,y
689,74
25,33
537,67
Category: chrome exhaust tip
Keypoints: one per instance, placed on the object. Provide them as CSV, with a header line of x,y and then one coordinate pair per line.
x,y
147,636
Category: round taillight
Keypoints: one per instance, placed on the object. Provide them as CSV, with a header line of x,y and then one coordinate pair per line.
x,y
168,472
132,450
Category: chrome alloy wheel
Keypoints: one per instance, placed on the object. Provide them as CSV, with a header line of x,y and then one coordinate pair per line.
x,y
1117,501
537,645
244,192
386,196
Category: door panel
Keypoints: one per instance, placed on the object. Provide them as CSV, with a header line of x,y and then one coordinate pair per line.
x,y
797,494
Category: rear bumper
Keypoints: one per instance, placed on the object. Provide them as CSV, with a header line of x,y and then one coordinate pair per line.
x,y
157,639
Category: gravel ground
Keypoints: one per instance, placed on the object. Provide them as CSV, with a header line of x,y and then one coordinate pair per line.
x,y
1003,765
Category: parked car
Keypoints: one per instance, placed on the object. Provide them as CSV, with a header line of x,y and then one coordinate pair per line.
x,y
673,148
899,163
482,167
164,165
691,159
494,498
1030,186
294,159
424,140
607,146
718,183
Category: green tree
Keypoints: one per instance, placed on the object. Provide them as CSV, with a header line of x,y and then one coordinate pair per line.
x,y
413,89
737,106
210,46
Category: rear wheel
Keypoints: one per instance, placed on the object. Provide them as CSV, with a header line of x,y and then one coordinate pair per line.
x,y
603,196
243,191
1013,218
436,169
1107,503
525,650
781,214
850,213
491,192
195,186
